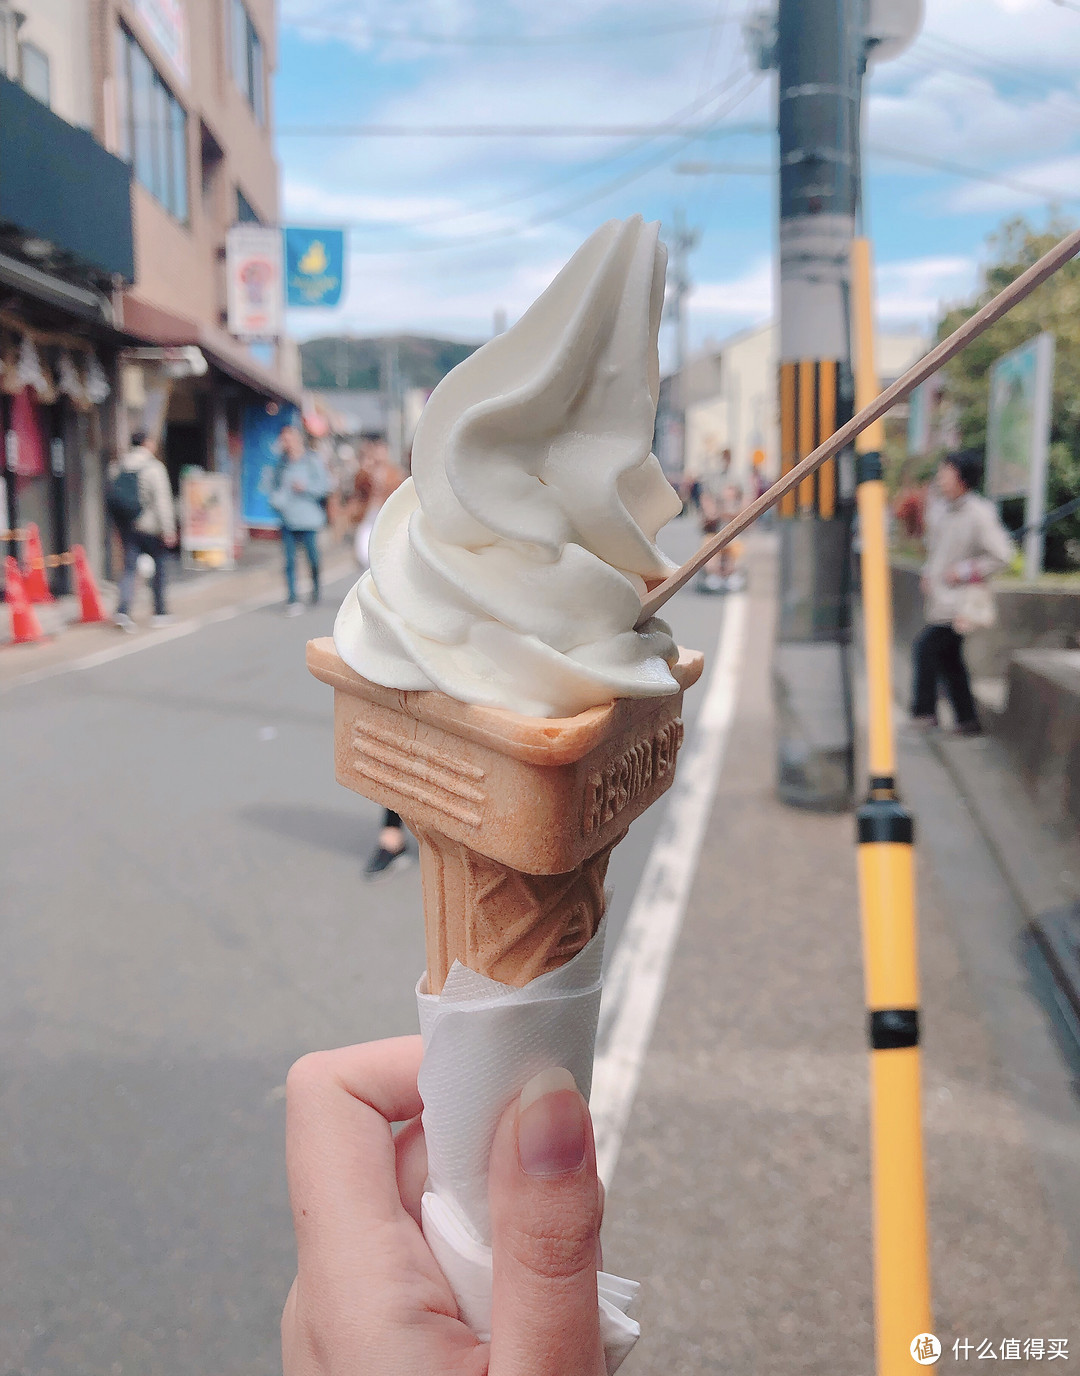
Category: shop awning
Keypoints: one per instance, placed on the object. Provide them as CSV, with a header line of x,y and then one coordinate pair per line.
x,y
154,325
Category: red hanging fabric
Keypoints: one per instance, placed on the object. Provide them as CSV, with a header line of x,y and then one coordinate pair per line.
x,y
25,421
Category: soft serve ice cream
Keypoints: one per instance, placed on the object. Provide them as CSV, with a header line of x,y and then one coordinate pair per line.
x,y
508,571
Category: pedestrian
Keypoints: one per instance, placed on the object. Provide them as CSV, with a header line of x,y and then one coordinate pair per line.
x,y
392,851
377,477
297,490
369,1295
140,501
965,545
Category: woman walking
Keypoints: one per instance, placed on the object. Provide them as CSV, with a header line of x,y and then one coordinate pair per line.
x,y
965,545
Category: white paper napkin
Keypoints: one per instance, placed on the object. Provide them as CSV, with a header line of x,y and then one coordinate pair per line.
x,y
483,1041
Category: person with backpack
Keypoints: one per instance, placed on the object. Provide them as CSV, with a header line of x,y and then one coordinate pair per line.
x,y
140,501
297,490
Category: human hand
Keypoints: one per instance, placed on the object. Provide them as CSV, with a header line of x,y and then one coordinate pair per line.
x,y
369,1298
298,485
170,541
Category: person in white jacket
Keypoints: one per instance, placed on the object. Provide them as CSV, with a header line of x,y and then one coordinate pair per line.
x,y
965,544
141,504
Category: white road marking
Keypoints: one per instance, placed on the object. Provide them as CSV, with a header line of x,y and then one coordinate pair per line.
x,y
634,983
132,645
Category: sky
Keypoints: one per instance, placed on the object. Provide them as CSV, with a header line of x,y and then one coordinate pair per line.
x,y
978,120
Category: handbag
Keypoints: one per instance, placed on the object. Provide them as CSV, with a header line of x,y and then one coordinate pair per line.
x,y
978,609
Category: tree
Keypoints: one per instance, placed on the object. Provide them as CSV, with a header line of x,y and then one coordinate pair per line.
x,y
1055,306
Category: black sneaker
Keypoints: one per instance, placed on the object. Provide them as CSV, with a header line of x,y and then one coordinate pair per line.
x,y
385,863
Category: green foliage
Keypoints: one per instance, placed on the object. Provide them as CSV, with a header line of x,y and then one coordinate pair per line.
x,y
1055,306
336,362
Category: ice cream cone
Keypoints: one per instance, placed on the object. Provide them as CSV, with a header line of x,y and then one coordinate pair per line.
x,y
516,816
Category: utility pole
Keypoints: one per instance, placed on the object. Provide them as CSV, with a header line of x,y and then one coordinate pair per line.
x,y
681,242
820,56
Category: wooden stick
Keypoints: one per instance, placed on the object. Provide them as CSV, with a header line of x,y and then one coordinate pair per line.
x,y
1046,266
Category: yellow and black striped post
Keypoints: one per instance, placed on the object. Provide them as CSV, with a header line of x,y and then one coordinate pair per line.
x,y
808,416
887,898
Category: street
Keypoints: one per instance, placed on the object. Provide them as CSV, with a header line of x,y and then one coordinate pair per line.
x,y
185,916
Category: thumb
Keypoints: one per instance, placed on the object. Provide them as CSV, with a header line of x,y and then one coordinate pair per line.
x,y
545,1216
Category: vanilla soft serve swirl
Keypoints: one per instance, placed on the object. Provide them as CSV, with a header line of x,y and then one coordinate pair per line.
x,y
509,570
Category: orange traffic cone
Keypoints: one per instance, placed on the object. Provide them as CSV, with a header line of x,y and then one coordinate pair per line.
x,y
25,627
89,597
37,589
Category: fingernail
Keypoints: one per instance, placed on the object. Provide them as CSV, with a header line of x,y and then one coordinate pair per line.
x,y
552,1132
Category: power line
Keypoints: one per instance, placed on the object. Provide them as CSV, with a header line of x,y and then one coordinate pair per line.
x,y
568,207
496,40
501,131
974,174
594,165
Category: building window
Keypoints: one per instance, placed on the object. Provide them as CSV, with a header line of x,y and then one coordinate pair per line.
x,y
35,71
153,127
246,214
249,69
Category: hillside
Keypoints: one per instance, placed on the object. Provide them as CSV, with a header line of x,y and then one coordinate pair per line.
x,y
353,364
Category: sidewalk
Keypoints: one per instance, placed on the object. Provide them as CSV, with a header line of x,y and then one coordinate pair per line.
x,y
192,598
741,1199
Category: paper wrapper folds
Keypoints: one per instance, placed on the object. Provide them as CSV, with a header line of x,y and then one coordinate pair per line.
x,y
516,819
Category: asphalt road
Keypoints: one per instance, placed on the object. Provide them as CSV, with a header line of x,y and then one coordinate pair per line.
x,y
184,915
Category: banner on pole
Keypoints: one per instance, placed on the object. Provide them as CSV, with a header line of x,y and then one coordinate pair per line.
x,y
1019,407
314,266
253,267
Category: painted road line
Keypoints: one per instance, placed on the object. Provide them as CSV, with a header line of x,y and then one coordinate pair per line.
x,y
146,640
634,983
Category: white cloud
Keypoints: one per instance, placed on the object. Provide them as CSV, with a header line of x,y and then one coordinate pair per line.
x,y
911,291
746,297
1057,177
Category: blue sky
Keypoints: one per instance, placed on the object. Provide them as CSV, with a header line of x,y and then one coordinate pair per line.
x,y
443,232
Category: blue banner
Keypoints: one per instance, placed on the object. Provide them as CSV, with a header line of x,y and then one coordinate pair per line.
x,y
260,458
314,266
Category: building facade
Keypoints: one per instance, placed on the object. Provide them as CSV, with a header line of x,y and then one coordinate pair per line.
x,y
182,92
66,255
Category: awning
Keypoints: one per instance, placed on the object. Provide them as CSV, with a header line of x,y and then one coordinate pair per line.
x,y
155,325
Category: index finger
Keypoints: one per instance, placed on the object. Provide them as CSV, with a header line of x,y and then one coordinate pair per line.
x,y
339,1148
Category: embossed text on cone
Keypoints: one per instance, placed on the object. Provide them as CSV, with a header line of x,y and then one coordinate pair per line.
x,y
516,816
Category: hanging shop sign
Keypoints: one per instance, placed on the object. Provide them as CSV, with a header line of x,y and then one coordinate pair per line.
x,y
253,266
206,520
314,266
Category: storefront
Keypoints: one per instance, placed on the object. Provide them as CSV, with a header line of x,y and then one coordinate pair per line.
x,y
54,413
222,417
65,249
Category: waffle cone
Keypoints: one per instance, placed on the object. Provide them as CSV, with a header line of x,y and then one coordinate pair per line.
x,y
516,816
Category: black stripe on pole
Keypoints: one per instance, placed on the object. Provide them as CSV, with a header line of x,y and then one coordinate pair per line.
x,y
892,1029
885,820
868,468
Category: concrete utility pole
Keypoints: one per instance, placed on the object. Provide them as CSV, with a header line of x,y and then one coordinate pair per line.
x,y
681,242
820,56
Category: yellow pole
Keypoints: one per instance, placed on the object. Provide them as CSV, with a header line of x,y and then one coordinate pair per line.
x,y
887,898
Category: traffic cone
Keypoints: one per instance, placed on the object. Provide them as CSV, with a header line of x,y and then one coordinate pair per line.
x,y
25,627
37,589
89,596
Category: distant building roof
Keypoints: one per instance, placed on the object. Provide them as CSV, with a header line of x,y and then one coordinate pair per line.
x,y
363,412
